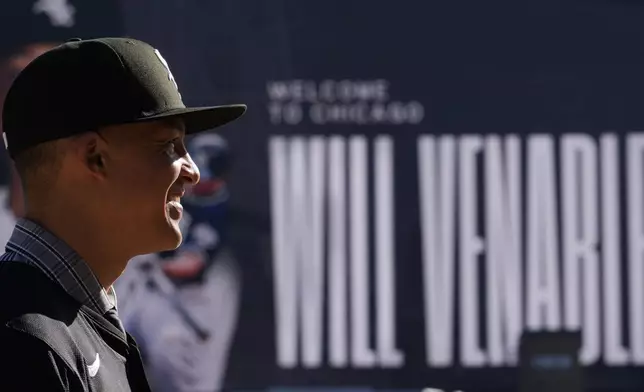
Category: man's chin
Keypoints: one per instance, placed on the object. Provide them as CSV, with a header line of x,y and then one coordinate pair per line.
x,y
162,237
172,238
177,239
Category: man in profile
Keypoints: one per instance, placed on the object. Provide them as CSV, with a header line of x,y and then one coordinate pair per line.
x,y
96,129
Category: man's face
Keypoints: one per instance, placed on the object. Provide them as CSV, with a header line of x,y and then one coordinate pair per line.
x,y
147,170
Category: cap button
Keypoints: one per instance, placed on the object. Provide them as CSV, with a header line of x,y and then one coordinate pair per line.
x,y
74,40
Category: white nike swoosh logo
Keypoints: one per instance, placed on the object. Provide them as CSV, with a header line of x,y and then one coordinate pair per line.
x,y
93,368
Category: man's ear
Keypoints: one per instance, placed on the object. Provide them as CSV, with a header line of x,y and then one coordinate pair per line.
x,y
95,162
91,151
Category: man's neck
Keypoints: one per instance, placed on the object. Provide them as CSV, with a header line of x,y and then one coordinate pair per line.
x,y
105,257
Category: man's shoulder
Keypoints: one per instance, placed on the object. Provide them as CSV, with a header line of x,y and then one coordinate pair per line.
x,y
26,289
35,315
33,304
35,330
42,326
14,274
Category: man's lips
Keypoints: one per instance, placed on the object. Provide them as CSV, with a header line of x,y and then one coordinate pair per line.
x,y
174,203
176,196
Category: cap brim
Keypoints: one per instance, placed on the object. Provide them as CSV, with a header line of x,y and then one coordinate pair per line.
x,y
202,118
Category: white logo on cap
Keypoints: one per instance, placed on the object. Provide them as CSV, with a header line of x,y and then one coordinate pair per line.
x,y
60,12
167,67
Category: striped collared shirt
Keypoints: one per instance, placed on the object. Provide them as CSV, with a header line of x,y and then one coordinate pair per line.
x,y
32,244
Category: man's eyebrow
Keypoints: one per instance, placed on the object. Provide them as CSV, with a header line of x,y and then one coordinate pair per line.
x,y
169,130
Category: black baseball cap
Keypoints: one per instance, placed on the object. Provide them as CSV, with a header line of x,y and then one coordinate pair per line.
x,y
83,85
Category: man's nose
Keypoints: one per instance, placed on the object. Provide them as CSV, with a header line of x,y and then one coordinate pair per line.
x,y
189,170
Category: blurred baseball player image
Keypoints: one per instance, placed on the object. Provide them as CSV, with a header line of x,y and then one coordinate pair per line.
x,y
182,305
97,131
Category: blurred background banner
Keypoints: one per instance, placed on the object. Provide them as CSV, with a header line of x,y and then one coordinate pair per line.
x,y
416,184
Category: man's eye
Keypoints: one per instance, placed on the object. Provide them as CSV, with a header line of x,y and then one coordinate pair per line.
x,y
171,147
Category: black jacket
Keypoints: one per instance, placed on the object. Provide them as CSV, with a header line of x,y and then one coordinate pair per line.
x,y
50,342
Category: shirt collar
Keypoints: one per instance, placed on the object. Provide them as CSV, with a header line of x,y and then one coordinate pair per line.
x,y
61,264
